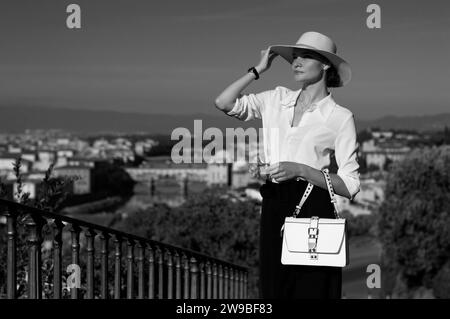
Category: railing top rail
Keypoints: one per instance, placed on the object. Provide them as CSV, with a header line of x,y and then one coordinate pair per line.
x,y
110,231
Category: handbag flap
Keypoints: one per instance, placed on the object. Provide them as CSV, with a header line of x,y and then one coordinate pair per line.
x,y
330,237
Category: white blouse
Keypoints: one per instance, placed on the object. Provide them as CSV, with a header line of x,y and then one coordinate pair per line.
x,y
324,128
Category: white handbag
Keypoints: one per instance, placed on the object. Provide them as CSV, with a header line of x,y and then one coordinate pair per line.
x,y
315,241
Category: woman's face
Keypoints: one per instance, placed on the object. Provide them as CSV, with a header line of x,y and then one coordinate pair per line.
x,y
307,66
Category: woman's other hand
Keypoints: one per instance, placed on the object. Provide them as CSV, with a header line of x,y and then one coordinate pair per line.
x,y
258,170
254,170
283,171
266,60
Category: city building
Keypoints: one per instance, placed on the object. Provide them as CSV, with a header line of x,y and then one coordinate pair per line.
x,y
85,161
7,161
378,153
30,156
142,147
13,149
30,184
45,159
82,174
240,175
156,170
162,167
370,197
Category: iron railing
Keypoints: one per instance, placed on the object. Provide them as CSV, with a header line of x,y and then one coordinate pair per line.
x,y
163,271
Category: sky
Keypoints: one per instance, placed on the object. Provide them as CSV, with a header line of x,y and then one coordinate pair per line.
x,y
176,56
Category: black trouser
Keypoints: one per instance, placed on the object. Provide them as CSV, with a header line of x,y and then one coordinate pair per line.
x,y
291,281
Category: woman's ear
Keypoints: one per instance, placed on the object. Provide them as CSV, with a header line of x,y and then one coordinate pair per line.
x,y
326,67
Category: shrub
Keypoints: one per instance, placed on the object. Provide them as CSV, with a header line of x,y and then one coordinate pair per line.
x,y
441,283
361,225
50,197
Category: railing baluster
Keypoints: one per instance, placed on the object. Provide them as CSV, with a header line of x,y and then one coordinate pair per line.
x,y
246,285
208,280
225,282
75,246
104,239
186,276
220,274
57,258
117,268
236,283
202,280
140,260
90,238
160,261
214,280
130,275
194,278
151,273
231,283
169,275
241,285
11,222
178,275
34,225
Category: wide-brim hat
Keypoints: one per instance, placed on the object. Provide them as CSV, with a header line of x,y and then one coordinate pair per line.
x,y
323,45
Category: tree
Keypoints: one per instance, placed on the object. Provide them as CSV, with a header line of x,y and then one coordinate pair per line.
x,y
387,164
363,136
112,180
414,217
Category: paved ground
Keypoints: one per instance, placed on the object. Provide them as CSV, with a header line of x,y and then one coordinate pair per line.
x,y
363,252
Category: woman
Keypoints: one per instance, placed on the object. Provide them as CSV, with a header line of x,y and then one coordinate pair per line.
x,y
301,130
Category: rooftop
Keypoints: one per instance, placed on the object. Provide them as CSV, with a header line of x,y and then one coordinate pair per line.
x,y
73,167
171,165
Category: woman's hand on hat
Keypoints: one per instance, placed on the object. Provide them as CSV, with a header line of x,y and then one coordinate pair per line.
x,y
266,60
283,171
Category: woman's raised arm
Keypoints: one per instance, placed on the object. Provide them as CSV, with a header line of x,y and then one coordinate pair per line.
x,y
225,100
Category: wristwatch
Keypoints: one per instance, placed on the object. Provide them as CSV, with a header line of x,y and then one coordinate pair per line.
x,y
252,69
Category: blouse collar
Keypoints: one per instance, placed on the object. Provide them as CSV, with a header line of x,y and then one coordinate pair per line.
x,y
325,105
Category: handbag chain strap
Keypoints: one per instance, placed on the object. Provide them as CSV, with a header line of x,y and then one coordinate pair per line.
x,y
308,190
331,191
302,201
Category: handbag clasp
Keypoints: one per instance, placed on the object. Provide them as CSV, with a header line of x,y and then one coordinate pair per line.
x,y
313,233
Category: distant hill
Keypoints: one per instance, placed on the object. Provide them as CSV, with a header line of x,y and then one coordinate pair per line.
x,y
14,119
416,123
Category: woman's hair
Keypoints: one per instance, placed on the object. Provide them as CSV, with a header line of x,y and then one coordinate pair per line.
x,y
332,78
